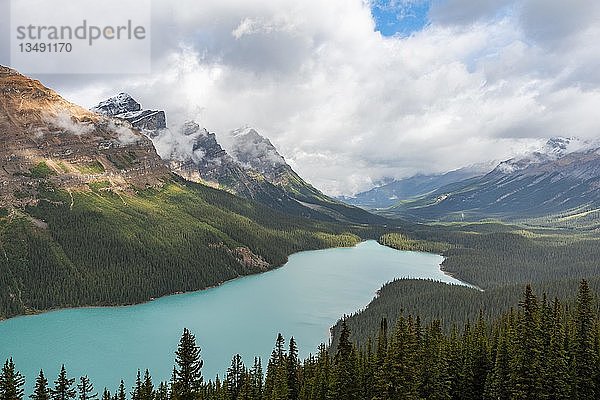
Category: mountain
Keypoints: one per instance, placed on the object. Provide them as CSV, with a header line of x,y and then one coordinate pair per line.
x,y
91,215
47,140
123,106
550,187
391,193
251,167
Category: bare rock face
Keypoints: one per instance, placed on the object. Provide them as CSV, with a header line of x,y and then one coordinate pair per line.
x,y
123,106
45,139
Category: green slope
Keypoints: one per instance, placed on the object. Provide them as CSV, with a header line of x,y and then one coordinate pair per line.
x,y
104,248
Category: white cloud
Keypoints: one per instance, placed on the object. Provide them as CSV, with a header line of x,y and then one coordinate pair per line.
x,y
348,107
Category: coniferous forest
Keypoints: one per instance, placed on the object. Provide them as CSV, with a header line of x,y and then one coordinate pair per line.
x,y
542,348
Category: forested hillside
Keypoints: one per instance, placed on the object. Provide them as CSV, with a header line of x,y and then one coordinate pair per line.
x,y
540,349
102,247
497,258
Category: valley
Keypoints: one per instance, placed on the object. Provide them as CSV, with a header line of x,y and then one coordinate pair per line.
x,y
114,206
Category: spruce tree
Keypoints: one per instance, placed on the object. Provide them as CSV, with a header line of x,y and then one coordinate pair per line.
x,y
11,382
235,377
188,373
136,392
147,388
120,394
63,386
106,395
344,381
292,371
41,390
525,362
583,354
86,389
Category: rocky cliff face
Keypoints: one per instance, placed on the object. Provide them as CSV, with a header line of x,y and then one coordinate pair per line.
x,y
250,167
123,106
48,141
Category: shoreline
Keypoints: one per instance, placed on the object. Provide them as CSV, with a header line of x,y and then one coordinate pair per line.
x,y
220,284
33,313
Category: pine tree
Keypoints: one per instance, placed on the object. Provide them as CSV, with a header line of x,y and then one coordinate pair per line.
x,y
292,371
344,382
583,354
147,388
11,382
136,392
256,375
86,389
63,386
188,374
525,363
400,362
235,377
120,394
41,390
434,379
162,393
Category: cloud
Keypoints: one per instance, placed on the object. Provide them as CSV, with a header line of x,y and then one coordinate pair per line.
x,y
348,107
63,120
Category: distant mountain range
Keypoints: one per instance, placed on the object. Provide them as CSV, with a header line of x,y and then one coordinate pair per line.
x,y
391,193
558,185
251,167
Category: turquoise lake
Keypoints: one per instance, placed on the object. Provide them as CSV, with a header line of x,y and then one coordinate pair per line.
x,y
304,298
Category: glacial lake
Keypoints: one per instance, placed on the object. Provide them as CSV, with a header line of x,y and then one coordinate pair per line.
x,y
304,298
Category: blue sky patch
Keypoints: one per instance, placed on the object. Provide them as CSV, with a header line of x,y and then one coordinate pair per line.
x,y
400,17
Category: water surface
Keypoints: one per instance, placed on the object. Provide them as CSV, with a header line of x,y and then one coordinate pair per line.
x,y
304,299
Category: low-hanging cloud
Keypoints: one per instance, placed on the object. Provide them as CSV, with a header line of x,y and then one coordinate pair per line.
x,y
348,107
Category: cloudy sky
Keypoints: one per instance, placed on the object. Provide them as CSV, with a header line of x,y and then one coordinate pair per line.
x,y
354,91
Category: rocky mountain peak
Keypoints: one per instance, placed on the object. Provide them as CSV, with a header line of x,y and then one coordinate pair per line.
x,y
254,151
119,104
46,139
124,107
554,149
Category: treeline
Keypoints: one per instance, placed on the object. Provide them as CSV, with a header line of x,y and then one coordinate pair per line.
x,y
491,255
104,248
542,349
496,257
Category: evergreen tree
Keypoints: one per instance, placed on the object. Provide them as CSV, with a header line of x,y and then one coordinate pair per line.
x,y
292,371
11,382
147,388
63,386
344,383
188,373
120,394
256,376
525,363
400,365
235,377
41,390
583,346
162,393
106,395
86,389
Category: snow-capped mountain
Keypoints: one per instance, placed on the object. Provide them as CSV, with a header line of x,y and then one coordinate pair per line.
x,y
553,149
48,139
250,167
558,182
256,152
123,106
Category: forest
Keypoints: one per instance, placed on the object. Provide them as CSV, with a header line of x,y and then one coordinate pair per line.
x,y
497,258
541,348
100,247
